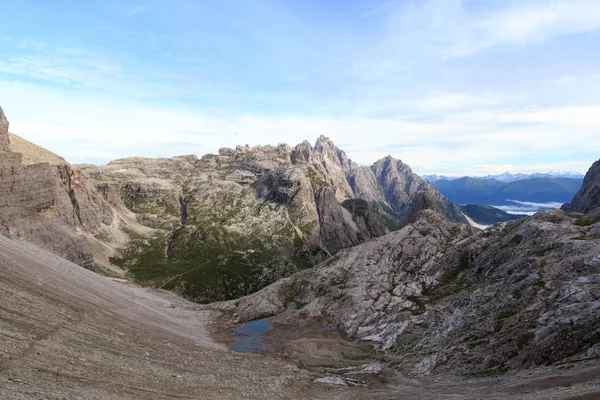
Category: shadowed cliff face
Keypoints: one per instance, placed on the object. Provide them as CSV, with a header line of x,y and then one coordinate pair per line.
x,y
587,199
265,211
53,207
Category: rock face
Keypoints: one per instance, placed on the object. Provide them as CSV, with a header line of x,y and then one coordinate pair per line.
x,y
588,197
32,153
52,206
437,297
265,212
3,132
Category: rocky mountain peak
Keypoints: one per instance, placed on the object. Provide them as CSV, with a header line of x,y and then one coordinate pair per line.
x,y
3,132
322,143
587,199
302,152
330,154
390,163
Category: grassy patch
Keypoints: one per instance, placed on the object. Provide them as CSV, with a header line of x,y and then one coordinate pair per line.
x,y
515,240
539,283
583,220
204,266
292,292
316,178
524,339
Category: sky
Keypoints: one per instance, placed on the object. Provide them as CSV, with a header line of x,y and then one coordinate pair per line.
x,y
454,87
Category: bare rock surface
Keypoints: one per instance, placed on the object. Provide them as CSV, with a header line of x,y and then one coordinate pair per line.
x,y
587,199
438,298
266,211
45,201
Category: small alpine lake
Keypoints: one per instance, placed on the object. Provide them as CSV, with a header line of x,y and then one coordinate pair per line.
x,y
249,337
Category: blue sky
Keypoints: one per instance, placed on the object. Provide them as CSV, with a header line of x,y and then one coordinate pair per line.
x,y
448,86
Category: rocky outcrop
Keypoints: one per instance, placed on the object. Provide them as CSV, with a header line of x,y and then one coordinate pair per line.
x,y
587,199
439,298
52,206
294,206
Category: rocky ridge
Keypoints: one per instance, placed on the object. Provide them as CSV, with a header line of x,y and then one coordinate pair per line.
x,y
438,297
255,214
44,201
587,199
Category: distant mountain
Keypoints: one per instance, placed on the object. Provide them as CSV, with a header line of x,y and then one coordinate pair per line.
x,y
508,177
487,215
494,192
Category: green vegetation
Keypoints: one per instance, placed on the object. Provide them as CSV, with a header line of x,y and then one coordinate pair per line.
x,y
453,274
515,240
503,315
204,267
539,283
208,261
390,218
315,177
337,282
292,292
487,215
585,220
524,339
449,283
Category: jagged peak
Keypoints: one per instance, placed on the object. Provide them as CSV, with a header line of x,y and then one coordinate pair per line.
x,y
323,139
302,152
323,144
390,162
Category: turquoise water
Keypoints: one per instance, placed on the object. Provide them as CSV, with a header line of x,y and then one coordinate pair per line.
x,y
249,338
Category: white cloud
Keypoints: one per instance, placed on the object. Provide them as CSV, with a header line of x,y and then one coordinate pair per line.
x,y
88,129
455,30
137,10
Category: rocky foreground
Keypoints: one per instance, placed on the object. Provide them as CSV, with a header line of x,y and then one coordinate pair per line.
x,y
69,333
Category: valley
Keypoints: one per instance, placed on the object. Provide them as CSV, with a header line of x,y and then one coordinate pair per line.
x,y
357,281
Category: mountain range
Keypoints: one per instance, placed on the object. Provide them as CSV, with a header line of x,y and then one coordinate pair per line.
x,y
496,193
508,177
368,275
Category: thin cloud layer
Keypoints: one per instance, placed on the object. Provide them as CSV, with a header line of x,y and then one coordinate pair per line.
x,y
452,87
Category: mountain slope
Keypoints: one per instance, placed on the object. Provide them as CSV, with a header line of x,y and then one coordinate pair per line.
x,y
486,215
68,333
231,223
32,153
438,298
43,200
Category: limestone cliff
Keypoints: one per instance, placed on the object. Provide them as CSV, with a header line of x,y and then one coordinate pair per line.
x,y
284,208
50,205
